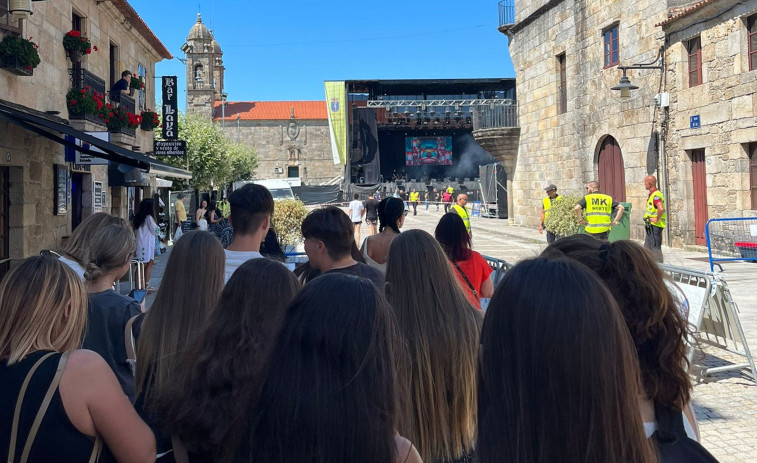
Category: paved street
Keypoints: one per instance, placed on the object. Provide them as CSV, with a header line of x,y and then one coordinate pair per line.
x,y
726,404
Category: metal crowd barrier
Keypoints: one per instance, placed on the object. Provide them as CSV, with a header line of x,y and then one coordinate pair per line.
x,y
136,277
499,266
731,239
710,308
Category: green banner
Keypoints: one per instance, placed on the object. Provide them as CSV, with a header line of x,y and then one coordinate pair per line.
x,y
337,107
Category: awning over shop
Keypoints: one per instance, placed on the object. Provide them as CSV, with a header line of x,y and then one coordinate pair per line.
x,y
163,183
44,125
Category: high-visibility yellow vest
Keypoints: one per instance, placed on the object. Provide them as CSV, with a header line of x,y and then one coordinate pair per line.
x,y
598,212
463,213
652,211
414,197
547,202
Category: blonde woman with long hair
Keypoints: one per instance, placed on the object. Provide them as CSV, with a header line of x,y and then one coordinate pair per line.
x,y
76,251
441,330
43,311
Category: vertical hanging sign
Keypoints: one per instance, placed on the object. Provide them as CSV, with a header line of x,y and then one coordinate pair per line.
x,y
335,102
170,110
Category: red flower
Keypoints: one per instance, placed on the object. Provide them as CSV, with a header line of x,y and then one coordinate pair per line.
x,y
95,47
110,114
107,121
83,91
72,102
87,87
88,51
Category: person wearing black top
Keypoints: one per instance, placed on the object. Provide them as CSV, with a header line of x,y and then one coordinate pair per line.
x,y
371,214
121,87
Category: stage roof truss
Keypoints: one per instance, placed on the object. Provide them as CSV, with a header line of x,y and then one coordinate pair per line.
x,y
438,103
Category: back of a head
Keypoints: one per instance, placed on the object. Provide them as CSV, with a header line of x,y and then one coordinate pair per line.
x,y
441,330
332,226
390,211
451,234
219,379
250,205
110,248
187,293
146,209
650,310
43,306
78,243
331,374
270,247
558,379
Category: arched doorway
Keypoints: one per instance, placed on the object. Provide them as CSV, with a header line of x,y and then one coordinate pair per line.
x,y
612,176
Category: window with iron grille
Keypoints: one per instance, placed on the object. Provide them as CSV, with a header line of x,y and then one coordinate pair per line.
x,y
751,25
694,47
612,56
562,89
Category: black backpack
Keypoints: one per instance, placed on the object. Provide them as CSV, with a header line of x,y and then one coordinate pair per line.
x,y
673,445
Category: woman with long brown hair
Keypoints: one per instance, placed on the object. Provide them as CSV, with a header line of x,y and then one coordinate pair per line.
x,y
657,327
187,294
209,401
558,377
43,312
441,329
331,392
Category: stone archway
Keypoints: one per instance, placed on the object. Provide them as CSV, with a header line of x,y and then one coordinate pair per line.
x,y
611,170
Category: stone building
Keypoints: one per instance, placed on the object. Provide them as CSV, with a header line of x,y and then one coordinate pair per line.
x,y
45,188
290,138
575,128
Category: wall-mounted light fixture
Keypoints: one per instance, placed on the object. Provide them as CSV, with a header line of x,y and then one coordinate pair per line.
x,y
625,86
20,8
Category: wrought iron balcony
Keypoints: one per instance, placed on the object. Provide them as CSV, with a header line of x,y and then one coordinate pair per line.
x,y
506,14
127,104
81,78
495,116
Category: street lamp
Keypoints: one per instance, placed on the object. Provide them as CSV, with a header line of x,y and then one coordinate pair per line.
x,y
625,86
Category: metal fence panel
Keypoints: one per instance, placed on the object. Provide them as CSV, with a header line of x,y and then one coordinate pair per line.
x,y
731,239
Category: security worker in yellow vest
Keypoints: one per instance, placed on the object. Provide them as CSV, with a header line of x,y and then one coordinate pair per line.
x,y
546,206
655,217
599,209
415,198
462,211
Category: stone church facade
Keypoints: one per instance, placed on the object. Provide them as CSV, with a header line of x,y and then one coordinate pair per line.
x,y
575,128
290,138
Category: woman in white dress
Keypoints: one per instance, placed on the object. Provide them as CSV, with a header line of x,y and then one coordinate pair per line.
x,y
145,228
202,222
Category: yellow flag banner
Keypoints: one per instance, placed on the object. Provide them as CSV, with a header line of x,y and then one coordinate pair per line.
x,y
337,107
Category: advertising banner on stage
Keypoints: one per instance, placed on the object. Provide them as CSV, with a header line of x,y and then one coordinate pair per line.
x,y
336,103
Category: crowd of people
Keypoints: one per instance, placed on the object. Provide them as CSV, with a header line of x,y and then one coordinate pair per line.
x,y
375,355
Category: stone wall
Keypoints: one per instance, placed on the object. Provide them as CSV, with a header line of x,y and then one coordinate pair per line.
x,y
726,103
563,148
275,148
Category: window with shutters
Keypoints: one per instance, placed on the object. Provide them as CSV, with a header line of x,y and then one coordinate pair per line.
x,y
751,25
612,54
694,47
562,88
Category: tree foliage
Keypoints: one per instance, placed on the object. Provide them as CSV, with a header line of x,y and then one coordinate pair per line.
x,y
288,215
211,157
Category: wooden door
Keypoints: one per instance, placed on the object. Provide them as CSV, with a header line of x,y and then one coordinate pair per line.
x,y
699,177
4,219
612,175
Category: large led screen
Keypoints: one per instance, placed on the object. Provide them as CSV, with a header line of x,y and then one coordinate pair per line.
x,y
428,150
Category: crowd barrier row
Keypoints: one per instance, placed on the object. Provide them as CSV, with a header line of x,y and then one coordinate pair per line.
x,y
731,239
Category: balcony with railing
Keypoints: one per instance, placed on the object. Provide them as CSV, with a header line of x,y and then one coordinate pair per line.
x,y
506,15
82,79
495,115
129,105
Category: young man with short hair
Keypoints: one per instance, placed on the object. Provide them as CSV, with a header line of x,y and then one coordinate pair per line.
x,y
250,217
329,241
356,211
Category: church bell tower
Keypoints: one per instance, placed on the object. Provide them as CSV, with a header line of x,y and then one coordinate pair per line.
x,y
204,70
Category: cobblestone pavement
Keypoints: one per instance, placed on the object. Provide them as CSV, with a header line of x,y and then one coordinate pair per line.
x,y
726,403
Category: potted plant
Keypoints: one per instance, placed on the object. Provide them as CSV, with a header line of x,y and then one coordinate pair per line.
x,y
150,120
562,220
85,103
77,45
137,83
288,215
117,119
18,55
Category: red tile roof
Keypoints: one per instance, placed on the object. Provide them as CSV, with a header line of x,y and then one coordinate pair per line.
x,y
678,13
139,24
272,110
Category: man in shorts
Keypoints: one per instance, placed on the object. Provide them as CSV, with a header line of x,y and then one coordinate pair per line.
x,y
371,214
356,211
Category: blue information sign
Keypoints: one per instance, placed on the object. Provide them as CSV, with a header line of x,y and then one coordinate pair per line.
x,y
694,122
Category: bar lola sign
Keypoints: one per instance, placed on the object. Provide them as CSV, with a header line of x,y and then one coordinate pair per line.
x,y
170,109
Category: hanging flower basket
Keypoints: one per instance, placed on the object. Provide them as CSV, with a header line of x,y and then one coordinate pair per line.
x,y
18,55
77,45
85,104
137,83
119,120
149,121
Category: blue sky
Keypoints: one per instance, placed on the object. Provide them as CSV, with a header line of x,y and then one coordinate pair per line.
x,y
285,50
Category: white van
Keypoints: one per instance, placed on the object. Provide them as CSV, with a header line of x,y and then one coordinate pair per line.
x,y
280,189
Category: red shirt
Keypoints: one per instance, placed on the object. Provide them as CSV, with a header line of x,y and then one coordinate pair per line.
x,y
477,271
656,201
